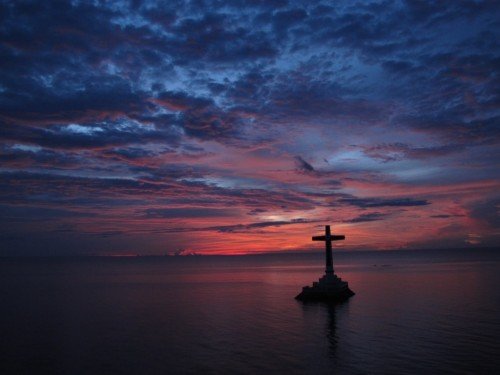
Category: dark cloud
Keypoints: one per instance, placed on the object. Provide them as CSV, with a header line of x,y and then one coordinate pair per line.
x,y
215,37
36,187
180,101
36,157
302,165
133,153
372,216
304,168
187,212
93,98
32,213
383,202
258,225
211,123
257,211
285,19
167,186
487,211
445,216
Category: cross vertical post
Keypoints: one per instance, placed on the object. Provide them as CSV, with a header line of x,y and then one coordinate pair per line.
x,y
328,238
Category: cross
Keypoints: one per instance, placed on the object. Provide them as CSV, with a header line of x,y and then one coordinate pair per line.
x,y
328,238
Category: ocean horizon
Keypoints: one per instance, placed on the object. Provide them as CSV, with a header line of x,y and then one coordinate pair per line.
x,y
414,311
313,252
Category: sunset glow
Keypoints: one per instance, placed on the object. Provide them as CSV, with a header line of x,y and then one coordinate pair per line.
x,y
246,127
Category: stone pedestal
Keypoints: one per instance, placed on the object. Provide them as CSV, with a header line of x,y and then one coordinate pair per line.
x,y
328,288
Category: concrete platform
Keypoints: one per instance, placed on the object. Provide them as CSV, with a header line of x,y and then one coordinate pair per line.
x,y
328,288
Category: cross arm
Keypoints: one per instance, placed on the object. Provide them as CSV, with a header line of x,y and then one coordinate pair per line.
x,y
319,238
332,238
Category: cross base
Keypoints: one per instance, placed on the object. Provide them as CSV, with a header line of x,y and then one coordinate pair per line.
x,y
330,288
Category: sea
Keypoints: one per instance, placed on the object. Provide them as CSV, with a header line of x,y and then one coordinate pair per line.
x,y
414,312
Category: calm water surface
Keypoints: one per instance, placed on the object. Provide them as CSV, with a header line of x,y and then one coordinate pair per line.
x,y
413,313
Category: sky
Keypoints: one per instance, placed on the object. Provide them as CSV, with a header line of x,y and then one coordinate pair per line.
x,y
232,127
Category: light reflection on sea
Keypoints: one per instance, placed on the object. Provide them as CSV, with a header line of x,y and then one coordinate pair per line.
x,y
412,313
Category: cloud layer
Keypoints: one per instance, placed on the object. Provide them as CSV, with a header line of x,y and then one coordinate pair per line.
x,y
235,127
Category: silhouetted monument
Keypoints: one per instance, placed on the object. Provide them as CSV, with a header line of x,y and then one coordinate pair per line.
x,y
329,287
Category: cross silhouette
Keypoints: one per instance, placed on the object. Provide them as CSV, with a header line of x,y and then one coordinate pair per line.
x,y
328,238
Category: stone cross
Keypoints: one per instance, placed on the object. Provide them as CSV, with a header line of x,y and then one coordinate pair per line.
x,y
328,238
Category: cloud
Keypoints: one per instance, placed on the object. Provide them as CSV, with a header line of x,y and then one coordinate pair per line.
x,y
187,212
101,97
401,151
302,165
487,212
257,211
363,218
32,213
383,202
445,216
264,224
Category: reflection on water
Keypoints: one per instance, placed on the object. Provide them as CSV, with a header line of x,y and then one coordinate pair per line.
x,y
328,312
331,328
434,313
